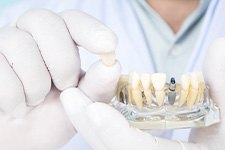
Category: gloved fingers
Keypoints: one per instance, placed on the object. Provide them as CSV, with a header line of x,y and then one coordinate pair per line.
x,y
23,55
114,131
214,71
71,99
12,98
56,45
102,125
91,34
100,81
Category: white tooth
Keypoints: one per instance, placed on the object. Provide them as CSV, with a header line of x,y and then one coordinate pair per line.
x,y
194,80
193,92
200,77
146,83
185,84
201,87
158,81
129,95
136,89
148,96
160,96
183,97
192,96
185,81
108,59
134,79
123,81
137,97
146,80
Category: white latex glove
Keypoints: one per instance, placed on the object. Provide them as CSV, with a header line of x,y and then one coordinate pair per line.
x,y
106,129
41,50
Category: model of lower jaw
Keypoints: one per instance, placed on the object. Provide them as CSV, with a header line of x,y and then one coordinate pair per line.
x,y
138,84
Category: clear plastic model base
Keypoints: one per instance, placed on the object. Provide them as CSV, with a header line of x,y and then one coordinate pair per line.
x,y
146,106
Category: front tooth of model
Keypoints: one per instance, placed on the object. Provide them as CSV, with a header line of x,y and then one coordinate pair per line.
x,y
158,82
201,87
146,83
185,83
136,89
193,92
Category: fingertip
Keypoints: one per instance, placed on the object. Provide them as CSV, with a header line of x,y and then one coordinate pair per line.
x,y
90,33
100,81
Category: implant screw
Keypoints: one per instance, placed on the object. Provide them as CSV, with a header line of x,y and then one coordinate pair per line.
x,y
172,91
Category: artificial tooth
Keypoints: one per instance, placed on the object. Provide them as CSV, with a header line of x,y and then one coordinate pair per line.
x,y
160,96
146,80
185,81
146,83
108,59
129,95
185,84
183,97
137,97
134,79
158,82
136,89
201,87
193,92
121,85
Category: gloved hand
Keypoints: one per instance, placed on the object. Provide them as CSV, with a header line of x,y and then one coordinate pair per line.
x,y
106,129
38,59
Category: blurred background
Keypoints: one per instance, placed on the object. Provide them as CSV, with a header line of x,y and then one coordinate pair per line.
x,y
6,3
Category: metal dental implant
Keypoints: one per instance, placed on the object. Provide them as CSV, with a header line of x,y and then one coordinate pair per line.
x,y
172,91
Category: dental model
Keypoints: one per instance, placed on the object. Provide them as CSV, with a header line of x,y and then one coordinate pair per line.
x,y
149,102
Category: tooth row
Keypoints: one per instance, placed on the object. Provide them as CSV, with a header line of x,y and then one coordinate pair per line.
x,y
192,88
139,83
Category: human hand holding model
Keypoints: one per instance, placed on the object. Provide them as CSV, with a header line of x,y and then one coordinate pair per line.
x,y
38,59
106,129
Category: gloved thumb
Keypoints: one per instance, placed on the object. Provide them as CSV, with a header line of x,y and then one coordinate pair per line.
x,y
214,72
105,128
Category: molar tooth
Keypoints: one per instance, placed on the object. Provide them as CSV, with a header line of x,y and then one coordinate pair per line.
x,y
185,84
146,83
193,92
136,89
158,81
